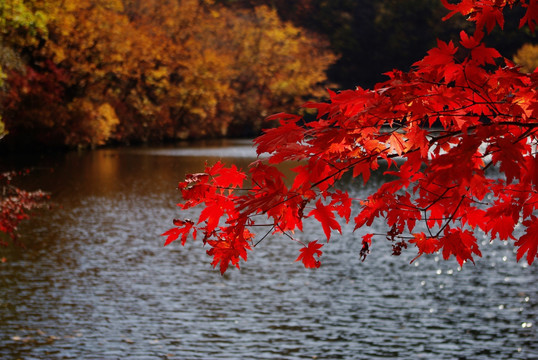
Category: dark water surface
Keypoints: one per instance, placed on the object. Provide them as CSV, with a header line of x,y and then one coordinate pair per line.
x,y
96,283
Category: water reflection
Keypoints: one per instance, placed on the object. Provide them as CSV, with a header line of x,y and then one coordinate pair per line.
x,y
95,282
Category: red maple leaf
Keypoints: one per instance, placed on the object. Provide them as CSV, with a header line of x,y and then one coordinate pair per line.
x,y
465,7
287,133
229,248
470,42
344,208
362,168
229,177
324,214
396,143
531,15
483,55
442,55
461,244
212,213
509,154
457,113
425,245
183,228
528,243
439,63
488,17
308,252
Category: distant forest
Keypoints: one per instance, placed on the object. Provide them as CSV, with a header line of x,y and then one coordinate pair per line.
x,y
94,72
373,37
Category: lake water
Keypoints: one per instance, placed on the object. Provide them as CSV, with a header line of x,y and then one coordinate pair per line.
x,y
95,282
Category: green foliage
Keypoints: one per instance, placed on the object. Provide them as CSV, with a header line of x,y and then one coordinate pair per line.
x,y
21,22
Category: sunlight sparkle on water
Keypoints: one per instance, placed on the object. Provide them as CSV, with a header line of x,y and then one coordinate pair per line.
x,y
98,284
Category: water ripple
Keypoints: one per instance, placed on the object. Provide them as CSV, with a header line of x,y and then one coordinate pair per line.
x,y
96,283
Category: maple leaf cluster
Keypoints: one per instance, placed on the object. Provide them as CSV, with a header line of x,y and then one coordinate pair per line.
x,y
462,124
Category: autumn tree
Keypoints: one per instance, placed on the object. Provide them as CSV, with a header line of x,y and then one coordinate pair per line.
x,y
39,96
91,72
456,134
21,26
268,60
227,67
405,28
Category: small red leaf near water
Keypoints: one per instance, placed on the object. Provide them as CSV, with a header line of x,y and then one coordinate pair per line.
x,y
461,244
308,252
325,216
425,245
183,229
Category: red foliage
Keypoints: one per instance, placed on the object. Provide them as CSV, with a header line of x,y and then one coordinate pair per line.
x,y
34,106
308,252
459,112
16,204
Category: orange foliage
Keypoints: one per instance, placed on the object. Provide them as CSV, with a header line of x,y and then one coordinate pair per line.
x,y
527,57
162,69
230,66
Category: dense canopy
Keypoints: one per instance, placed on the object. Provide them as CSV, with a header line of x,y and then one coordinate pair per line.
x,y
90,72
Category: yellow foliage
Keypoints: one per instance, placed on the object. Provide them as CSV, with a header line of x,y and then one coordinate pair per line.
x,y
3,131
3,77
96,125
107,119
95,39
274,64
172,66
527,57
21,22
234,64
